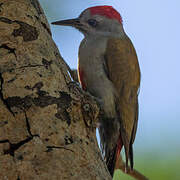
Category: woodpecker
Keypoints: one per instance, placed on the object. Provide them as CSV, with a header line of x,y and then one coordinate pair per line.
x,y
108,68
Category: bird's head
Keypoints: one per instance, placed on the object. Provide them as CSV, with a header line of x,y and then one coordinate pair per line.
x,y
102,20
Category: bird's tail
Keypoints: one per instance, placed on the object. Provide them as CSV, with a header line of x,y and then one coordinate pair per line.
x,y
113,157
129,156
111,160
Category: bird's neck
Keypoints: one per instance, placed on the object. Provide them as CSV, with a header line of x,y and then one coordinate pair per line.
x,y
118,33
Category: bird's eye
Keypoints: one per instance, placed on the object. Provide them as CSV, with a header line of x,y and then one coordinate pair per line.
x,y
92,22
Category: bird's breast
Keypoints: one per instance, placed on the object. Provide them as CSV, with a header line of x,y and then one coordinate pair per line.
x,y
90,64
92,75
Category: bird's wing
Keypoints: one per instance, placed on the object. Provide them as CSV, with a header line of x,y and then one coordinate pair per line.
x,y
124,72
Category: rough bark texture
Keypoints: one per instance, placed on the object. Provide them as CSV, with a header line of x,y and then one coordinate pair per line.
x,y
47,124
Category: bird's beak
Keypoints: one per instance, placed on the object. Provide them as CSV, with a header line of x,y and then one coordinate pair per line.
x,y
69,22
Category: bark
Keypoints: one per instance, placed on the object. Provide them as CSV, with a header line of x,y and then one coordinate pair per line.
x,y
47,123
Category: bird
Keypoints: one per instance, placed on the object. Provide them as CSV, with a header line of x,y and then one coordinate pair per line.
x,y
108,69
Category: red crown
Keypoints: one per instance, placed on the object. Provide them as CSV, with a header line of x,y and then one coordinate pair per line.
x,y
107,11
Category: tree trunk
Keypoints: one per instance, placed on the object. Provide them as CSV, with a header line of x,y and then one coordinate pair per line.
x,y
47,124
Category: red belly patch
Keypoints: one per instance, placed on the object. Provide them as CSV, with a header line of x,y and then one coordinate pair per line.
x,y
119,147
81,78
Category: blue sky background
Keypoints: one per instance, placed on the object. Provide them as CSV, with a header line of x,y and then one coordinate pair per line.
x,y
154,28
